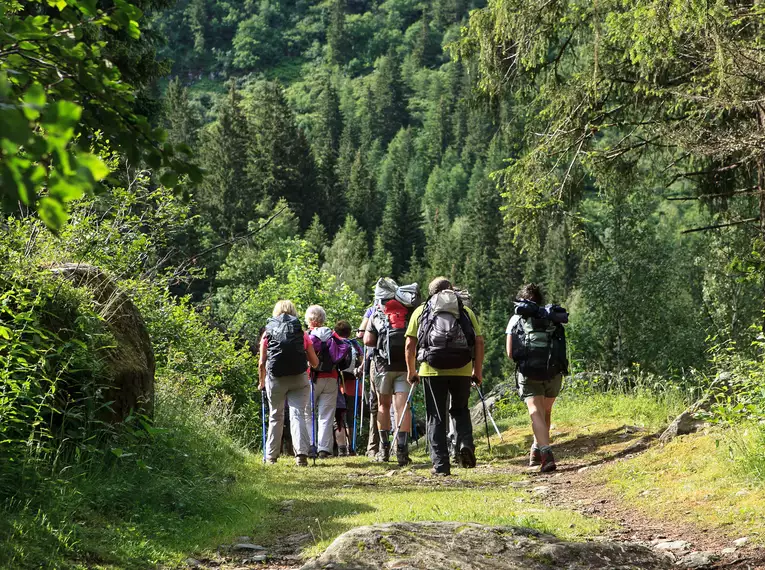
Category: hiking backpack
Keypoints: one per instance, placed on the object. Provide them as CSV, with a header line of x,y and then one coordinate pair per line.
x,y
285,350
393,307
539,340
355,358
334,352
445,337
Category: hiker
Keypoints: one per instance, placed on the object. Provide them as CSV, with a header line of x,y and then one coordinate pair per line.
x,y
346,395
386,332
373,444
444,336
536,341
282,373
331,350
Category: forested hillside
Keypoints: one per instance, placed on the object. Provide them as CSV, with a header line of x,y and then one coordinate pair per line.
x,y
399,157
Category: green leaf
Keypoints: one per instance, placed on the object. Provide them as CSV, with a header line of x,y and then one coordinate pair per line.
x,y
169,179
95,166
5,333
13,125
52,213
34,101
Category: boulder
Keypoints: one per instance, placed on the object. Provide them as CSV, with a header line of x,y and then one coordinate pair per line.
x,y
683,424
130,363
449,545
500,392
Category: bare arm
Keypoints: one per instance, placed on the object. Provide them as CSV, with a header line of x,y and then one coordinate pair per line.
x,y
370,339
478,360
362,327
313,360
262,357
509,346
410,350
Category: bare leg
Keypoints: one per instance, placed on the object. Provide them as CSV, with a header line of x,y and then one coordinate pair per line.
x,y
539,425
399,403
383,411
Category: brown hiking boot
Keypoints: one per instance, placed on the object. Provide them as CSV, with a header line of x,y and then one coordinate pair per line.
x,y
301,461
548,462
535,456
466,458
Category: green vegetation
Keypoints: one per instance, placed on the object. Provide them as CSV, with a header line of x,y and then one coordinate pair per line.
x,y
566,142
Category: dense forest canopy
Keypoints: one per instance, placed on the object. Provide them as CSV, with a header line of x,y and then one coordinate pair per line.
x,y
568,143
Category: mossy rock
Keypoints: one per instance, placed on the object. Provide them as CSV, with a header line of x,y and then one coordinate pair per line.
x,y
129,365
450,545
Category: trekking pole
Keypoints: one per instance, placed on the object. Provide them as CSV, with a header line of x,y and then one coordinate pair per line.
x,y
403,414
355,411
263,416
363,382
313,425
480,395
435,404
485,420
414,428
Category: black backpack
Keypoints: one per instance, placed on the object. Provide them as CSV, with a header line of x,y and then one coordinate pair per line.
x,y
286,352
539,341
445,340
391,319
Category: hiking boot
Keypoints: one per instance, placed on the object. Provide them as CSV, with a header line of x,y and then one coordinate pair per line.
x,y
271,460
342,451
548,462
324,455
402,456
436,473
467,458
384,455
535,457
301,460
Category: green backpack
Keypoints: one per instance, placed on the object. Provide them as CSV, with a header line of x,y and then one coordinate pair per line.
x,y
539,348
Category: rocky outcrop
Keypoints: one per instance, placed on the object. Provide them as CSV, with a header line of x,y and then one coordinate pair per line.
x,y
129,364
450,545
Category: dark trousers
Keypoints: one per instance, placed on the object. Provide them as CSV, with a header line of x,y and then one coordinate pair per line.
x,y
437,390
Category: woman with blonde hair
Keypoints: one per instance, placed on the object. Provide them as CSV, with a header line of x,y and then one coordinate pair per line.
x,y
286,351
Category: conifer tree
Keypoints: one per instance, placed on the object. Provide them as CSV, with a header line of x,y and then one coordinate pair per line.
x,y
226,195
348,259
280,160
316,236
362,198
388,99
401,221
337,38
381,262
181,119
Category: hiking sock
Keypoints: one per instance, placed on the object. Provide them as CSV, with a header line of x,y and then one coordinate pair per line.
x,y
401,439
545,448
385,437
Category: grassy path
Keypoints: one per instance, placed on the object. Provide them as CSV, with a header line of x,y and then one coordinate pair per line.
x,y
607,485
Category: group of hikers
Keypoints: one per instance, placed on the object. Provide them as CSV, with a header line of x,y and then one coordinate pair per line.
x,y
311,376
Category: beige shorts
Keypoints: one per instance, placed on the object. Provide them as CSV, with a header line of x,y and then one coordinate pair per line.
x,y
387,383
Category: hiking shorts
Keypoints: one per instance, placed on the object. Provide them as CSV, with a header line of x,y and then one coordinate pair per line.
x,y
528,388
387,383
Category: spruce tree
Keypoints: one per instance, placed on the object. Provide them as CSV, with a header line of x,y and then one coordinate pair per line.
x,y
181,119
280,159
316,236
381,262
348,259
337,37
362,198
388,99
226,196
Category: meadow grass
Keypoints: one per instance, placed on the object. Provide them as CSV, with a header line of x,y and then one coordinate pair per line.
x,y
195,487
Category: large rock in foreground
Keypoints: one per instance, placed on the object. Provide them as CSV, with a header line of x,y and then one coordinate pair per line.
x,y
452,545
130,363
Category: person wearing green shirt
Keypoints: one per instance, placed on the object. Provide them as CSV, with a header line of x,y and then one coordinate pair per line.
x,y
445,337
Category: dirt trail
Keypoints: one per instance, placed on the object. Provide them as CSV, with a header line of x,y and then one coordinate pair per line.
x,y
573,486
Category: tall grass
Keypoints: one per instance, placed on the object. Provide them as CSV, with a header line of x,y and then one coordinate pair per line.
x,y
139,498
